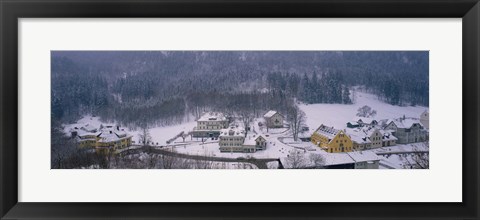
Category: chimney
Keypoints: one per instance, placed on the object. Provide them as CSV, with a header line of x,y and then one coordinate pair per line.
x,y
118,128
110,132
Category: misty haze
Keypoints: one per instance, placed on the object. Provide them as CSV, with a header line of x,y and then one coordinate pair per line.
x,y
240,109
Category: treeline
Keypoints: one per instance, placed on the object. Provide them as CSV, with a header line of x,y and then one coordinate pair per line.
x,y
77,91
254,104
160,88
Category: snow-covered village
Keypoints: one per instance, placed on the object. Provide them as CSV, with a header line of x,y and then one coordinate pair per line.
x,y
319,119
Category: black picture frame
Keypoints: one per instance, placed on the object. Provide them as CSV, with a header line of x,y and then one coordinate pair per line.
x,y
12,10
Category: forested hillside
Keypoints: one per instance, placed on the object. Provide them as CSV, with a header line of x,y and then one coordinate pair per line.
x,y
161,88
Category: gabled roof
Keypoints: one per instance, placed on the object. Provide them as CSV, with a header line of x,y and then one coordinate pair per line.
x,y
271,113
365,120
329,132
252,139
387,135
363,156
405,122
361,135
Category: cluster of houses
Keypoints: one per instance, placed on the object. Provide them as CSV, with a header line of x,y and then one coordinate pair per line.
x,y
359,134
365,133
233,138
107,138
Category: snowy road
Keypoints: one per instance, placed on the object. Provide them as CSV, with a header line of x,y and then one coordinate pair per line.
x,y
260,163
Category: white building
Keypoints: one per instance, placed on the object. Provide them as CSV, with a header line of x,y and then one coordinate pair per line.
x,y
254,143
273,119
365,159
407,130
233,140
210,124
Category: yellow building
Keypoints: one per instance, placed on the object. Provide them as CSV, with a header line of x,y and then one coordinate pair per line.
x,y
332,140
112,140
105,140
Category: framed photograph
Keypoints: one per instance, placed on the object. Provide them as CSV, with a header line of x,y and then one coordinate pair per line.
x,y
227,109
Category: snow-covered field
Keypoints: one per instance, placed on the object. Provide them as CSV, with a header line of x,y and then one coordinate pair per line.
x,y
337,115
160,135
279,141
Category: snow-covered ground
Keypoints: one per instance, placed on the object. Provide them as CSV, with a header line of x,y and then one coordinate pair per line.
x,y
337,115
279,141
159,135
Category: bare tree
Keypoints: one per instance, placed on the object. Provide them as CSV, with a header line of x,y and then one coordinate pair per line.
x,y
317,160
183,164
168,161
144,136
246,118
366,111
296,160
297,120
354,95
152,161
204,164
419,159
62,148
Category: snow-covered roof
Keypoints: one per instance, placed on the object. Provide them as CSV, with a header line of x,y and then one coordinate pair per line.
x,y
365,120
406,122
89,128
232,131
270,114
358,135
383,122
362,156
251,139
212,116
81,132
326,131
111,136
337,159
387,135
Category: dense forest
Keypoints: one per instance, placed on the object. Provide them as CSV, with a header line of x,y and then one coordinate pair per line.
x,y
155,88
